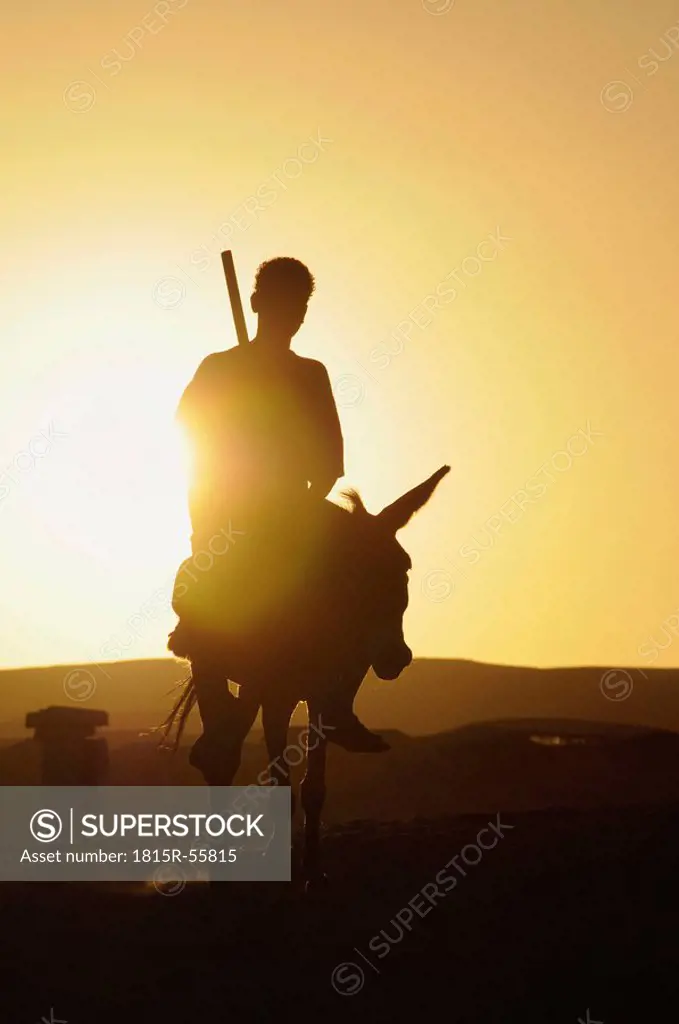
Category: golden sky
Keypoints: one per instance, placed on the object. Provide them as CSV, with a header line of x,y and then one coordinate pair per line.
x,y
487,195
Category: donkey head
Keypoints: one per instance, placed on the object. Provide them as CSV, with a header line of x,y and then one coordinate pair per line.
x,y
386,585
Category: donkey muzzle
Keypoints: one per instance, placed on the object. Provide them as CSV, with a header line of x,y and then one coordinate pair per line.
x,y
390,664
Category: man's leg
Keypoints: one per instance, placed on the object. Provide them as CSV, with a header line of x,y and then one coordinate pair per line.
x,y
226,722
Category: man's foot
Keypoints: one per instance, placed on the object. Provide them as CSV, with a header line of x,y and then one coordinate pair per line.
x,y
200,755
206,756
214,760
353,735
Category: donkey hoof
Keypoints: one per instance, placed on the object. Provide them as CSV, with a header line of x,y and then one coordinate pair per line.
x,y
316,883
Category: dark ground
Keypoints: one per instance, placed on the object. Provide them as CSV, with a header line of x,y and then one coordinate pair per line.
x,y
573,911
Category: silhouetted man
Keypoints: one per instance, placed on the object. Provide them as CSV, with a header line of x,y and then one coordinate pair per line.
x,y
267,445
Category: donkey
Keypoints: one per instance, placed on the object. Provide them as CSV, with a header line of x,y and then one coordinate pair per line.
x,y
359,624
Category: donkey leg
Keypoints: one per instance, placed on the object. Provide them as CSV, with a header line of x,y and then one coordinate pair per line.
x,y
275,721
226,722
312,792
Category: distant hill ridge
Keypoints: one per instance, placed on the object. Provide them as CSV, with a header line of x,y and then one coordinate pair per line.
x,y
431,696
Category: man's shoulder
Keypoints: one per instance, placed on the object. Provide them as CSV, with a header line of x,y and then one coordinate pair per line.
x,y
312,368
216,362
226,356
230,363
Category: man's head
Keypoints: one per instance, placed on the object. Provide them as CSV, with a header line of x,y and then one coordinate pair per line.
x,y
283,287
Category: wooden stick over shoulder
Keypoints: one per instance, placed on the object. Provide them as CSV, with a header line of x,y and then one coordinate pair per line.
x,y
234,296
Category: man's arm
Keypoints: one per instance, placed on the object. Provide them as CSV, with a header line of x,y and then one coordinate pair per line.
x,y
195,400
328,460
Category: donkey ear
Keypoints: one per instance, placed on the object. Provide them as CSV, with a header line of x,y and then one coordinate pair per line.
x,y
396,515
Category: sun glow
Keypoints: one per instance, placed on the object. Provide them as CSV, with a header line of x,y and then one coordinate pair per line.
x,y
98,519
118,495
439,349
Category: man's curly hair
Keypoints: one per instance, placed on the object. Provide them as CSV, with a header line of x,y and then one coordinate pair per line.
x,y
283,276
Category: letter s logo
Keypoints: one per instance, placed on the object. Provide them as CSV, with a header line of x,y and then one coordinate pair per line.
x,y
46,826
